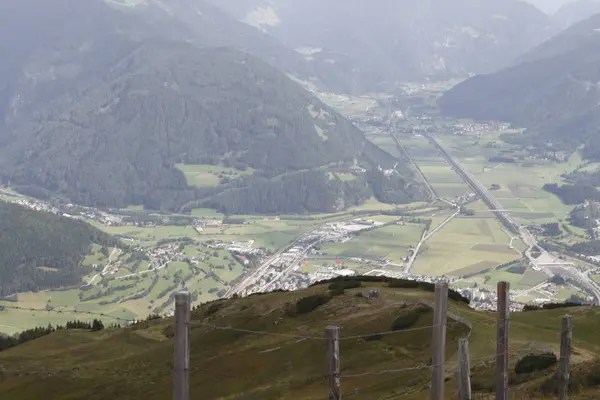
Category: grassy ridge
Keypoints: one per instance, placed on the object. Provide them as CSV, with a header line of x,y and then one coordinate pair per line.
x,y
135,362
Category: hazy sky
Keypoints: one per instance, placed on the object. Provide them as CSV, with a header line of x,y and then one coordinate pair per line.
x,y
549,6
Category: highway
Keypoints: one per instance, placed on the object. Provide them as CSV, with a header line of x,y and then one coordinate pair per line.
x,y
512,225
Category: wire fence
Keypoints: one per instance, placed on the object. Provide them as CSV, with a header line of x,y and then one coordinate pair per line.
x,y
68,311
457,320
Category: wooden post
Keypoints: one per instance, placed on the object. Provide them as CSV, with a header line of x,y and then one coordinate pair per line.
x,y
564,370
181,361
503,311
440,314
332,334
464,370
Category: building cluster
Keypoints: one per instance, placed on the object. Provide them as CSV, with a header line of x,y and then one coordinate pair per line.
x,y
245,248
339,232
480,127
71,211
484,299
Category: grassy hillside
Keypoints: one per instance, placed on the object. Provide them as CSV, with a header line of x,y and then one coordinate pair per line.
x,y
260,348
43,250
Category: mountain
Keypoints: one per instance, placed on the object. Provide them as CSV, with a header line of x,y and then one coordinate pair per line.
x,y
549,6
69,41
112,105
574,12
43,250
271,346
371,45
553,92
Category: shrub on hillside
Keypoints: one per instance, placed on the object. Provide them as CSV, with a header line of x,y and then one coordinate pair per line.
x,y
535,362
338,291
345,284
405,321
338,288
397,283
310,303
374,337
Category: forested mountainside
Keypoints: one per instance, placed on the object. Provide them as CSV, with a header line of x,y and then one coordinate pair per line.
x,y
554,92
372,44
42,250
109,109
66,41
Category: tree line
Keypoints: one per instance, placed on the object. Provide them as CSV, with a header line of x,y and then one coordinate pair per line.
x,y
8,341
43,250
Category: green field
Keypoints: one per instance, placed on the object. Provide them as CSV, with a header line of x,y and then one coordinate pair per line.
x,y
521,182
518,281
110,294
199,175
465,245
390,242
440,175
149,235
387,143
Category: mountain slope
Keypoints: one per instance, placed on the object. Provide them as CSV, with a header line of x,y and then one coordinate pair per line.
x,y
576,11
42,250
371,45
109,110
554,90
135,362
66,40
118,139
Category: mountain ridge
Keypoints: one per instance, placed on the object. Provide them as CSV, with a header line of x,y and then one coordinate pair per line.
x,y
552,92
432,40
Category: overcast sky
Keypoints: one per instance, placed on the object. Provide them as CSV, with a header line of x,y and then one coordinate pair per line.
x,y
549,6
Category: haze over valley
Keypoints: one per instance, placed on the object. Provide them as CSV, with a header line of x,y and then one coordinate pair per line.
x,y
243,151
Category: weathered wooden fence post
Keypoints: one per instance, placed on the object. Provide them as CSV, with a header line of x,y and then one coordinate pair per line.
x,y
181,360
564,371
503,311
464,370
440,315
332,334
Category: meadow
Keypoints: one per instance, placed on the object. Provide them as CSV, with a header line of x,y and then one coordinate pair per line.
x,y
200,175
112,294
520,183
391,242
465,245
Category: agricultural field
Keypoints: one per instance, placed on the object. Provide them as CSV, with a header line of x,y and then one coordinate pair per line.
x,y
519,280
465,245
391,242
440,175
349,106
518,186
387,143
199,175
134,291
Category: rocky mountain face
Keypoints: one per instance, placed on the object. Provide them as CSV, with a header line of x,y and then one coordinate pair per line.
x,y
372,44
